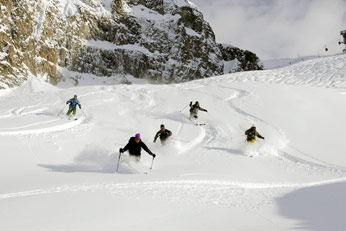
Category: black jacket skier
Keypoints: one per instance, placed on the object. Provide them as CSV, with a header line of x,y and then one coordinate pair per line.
x,y
194,110
163,134
135,145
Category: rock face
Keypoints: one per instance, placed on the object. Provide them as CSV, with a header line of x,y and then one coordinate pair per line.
x,y
158,40
236,59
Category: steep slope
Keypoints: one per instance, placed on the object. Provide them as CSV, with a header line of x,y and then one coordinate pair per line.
x,y
60,174
161,40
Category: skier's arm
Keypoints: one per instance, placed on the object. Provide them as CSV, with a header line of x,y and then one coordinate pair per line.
x,y
259,135
126,147
202,109
146,148
69,101
156,136
247,132
80,106
169,133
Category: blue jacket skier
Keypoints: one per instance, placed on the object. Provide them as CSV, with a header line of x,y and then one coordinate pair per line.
x,y
73,106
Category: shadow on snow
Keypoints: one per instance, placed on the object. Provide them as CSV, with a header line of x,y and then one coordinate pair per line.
x,y
317,208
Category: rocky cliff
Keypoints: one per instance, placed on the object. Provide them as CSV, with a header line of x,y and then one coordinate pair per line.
x,y
158,40
236,59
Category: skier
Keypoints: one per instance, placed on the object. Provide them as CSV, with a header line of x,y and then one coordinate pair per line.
x,y
194,110
73,106
134,146
163,134
251,134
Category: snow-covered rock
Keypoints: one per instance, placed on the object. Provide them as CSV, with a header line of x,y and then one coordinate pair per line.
x,y
158,40
237,60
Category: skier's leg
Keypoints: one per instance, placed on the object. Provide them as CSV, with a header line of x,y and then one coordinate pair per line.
x,y
193,115
253,147
249,148
74,112
163,142
138,158
69,111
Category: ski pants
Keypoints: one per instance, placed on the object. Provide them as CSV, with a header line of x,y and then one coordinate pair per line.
x,y
164,141
193,115
71,110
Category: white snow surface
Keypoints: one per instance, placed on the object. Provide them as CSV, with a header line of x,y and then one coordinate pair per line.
x,y
59,174
283,62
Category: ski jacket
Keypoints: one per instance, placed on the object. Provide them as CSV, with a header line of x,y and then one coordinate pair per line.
x,y
163,135
73,103
194,109
251,134
135,148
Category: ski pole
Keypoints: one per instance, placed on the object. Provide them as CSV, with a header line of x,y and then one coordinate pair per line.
x,y
152,162
83,113
118,161
62,110
183,108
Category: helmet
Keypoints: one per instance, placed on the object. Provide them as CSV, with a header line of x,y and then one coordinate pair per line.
x,y
138,136
162,126
253,126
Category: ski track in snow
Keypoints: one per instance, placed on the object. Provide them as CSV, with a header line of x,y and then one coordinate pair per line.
x,y
218,193
57,128
310,73
311,165
242,95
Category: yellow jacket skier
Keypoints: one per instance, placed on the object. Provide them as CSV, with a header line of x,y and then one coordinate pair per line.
x,y
251,135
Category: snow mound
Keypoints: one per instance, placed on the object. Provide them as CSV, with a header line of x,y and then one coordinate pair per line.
x,y
34,84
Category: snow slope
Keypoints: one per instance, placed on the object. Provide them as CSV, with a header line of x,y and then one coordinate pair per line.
x,y
59,174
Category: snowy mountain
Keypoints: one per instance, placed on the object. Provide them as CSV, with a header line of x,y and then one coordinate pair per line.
x,y
157,40
59,174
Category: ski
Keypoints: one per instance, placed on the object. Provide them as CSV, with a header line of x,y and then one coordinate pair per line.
x,y
200,124
196,124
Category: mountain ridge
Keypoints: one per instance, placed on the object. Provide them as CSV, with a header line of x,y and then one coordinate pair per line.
x,y
161,41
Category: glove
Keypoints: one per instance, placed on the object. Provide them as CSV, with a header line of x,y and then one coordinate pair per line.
x,y
206,110
66,102
80,107
121,150
190,103
153,155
